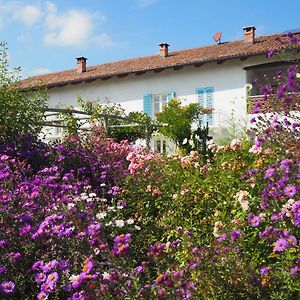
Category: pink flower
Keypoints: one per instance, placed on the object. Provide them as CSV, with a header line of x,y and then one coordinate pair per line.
x,y
235,144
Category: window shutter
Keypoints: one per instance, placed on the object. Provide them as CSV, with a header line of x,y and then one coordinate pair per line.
x,y
148,105
201,93
209,104
170,96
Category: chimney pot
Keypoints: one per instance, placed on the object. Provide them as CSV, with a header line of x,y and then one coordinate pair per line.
x,y
81,64
164,49
249,34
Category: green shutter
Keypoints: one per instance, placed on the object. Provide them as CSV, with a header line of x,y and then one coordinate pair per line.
x,y
147,105
210,104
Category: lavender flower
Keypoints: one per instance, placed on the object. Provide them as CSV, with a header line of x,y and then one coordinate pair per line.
x,y
7,287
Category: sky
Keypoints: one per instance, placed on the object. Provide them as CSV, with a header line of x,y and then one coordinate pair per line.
x,y
47,36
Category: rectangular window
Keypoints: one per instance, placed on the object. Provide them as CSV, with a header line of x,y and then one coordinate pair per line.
x,y
159,101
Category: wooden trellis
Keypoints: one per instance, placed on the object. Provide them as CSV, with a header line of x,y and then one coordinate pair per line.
x,y
86,116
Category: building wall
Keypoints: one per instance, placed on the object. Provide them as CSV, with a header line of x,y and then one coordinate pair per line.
x,y
228,80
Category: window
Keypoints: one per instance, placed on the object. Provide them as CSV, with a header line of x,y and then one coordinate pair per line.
x,y
160,146
206,100
153,103
158,102
57,130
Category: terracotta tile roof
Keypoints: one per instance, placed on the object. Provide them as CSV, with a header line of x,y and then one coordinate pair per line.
x,y
216,52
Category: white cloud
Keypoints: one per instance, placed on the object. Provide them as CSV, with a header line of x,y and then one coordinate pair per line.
x,y
19,11
29,14
144,3
73,28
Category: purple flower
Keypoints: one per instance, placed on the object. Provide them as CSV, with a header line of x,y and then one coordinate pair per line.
x,y
222,237
138,269
277,216
47,287
7,287
42,296
269,173
270,53
254,220
234,235
40,277
290,190
265,270
280,245
52,277
294,270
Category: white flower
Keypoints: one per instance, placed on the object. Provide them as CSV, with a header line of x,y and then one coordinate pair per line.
x,y
111,208
92,195
130,221
137,227
120,207
71,205
106,276
74,278
184,141
119,223
242,198
101,215
102,184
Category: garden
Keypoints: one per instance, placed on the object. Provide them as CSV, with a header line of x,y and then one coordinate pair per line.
x,y
91,217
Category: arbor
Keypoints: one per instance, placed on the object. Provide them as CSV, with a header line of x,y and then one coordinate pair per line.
x,y
21,112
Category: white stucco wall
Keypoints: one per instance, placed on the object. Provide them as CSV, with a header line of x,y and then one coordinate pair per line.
x,y
228,80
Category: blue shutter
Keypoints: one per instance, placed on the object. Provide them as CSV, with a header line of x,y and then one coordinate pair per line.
x,y
170,96
201,93
148,105
210,104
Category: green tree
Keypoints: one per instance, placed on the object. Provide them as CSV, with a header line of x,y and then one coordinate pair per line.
x,y
21,112
177,120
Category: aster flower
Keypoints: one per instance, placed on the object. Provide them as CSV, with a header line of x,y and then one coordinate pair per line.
x,y
294,270
52,277
280,245
42,296
40,277
235,235
265,270
254,220
269,173
7,287
290,190
222,237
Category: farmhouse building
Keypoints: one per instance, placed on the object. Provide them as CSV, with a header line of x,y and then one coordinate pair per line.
x,y
216,76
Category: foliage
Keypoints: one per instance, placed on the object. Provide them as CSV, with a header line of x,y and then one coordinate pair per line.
x,y
21,111
178,120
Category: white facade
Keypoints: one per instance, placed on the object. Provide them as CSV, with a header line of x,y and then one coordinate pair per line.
x,y
228,80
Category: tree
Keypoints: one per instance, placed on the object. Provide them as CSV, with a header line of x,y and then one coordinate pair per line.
x,y
21,112
177,120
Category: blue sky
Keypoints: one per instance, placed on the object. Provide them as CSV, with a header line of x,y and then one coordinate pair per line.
x,y
47,36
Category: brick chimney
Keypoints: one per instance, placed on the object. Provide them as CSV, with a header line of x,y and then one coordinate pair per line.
x,y
164,49
81,64
249,34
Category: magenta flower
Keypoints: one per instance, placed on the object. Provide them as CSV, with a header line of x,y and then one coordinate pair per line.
x,y
42,296
7,287
280,245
